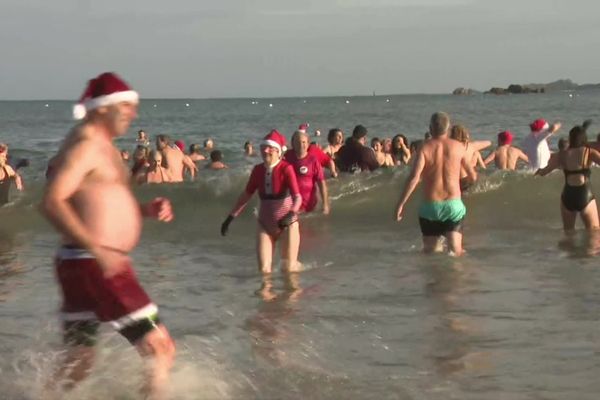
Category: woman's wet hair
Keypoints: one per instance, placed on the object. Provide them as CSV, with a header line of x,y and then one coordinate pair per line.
x,y
194,148
461,133
152,155
331,135
577,137
216,155
374,141
395,139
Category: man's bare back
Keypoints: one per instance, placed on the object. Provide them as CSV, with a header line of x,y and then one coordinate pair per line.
x,y
438,165
507,156
442,160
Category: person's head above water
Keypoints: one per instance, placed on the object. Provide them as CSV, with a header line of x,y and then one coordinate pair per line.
x,y
563,144
155,158
439,124
505,137
335,137
359,134
162,141
461,133
208,144
216,156
577,137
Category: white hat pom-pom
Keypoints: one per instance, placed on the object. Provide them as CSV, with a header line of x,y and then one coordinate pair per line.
x,y
79,111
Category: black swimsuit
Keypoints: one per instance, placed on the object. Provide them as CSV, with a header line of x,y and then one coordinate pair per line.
x,y
576,198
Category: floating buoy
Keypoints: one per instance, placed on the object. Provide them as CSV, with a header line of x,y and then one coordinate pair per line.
x,y
46,105
187,104
270,104
347,101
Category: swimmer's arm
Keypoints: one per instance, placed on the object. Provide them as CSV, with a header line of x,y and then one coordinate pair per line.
x,y
18,182
324,196
241,203
480,144
595,156
411,183
522,156
491,157
479,160
189,164
553,164
67,178
332,168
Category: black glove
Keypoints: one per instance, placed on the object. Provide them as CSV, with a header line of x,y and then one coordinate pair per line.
x,y
225,225
286,221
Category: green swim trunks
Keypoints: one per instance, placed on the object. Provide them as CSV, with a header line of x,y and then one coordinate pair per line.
x,y
437,218
448,210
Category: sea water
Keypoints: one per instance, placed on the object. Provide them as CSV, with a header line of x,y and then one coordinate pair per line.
x,y
371,317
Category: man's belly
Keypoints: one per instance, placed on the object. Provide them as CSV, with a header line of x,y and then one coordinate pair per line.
x,y
111,214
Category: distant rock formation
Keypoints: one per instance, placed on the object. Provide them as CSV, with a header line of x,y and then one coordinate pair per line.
x,y
461,91
559,85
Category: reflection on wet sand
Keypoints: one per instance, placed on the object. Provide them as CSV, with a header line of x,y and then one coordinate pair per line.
x,y
453,333
267,328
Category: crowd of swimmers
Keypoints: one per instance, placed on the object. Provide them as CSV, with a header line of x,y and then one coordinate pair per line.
x,y
89,201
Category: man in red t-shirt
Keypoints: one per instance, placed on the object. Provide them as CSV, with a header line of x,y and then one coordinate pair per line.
x,y
309,173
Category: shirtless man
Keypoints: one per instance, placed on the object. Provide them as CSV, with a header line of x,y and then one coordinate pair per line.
x,y
174,159
506,156
438,165
89,201
216,160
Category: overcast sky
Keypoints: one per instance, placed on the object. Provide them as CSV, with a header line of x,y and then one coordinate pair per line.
x,y
267,48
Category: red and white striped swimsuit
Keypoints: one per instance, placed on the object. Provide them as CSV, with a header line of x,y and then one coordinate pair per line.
x,y
275,184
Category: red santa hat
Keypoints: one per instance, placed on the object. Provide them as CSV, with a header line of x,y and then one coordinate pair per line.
x,y
539,125
104,90
180,144
505,137
303,127
275,139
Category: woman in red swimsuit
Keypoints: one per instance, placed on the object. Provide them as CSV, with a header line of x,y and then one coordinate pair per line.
x,y
280,201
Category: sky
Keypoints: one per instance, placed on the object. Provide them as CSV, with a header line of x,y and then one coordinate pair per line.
x,y
283,48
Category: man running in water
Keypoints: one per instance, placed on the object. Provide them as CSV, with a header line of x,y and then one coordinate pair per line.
x,y
89,201
506,155
438,165
536,143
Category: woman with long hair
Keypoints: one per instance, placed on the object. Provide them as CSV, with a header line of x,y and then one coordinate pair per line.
x,y
577,197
